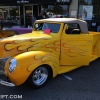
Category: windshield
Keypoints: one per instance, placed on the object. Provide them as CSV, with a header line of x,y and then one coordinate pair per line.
x,y
54,27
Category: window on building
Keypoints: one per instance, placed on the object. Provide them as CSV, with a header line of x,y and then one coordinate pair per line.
x,y
57,10
9,15
89,10
85,2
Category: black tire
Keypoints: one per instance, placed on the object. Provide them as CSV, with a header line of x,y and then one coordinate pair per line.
x,y
39,77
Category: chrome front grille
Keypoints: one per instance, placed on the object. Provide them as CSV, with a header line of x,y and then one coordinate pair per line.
x,y
4,80
2,64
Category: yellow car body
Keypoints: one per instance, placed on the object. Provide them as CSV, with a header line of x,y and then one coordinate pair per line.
x,y
58,51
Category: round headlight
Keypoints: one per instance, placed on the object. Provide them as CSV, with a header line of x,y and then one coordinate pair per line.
x,y
12,65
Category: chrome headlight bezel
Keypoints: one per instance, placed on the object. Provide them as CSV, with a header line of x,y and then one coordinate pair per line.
x,y
12,65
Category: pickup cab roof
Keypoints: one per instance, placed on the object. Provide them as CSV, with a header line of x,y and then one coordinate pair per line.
x,y
82,24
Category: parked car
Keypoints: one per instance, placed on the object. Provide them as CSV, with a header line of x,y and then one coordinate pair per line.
x,y
55,46
19,30
7,29
7,32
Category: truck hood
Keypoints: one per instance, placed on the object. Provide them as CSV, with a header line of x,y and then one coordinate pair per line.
x,y
23,43
33,35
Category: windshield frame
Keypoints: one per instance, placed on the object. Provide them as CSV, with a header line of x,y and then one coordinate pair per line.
x,y
56,24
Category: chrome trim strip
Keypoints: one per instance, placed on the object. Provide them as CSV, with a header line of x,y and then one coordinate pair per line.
x,y
6,83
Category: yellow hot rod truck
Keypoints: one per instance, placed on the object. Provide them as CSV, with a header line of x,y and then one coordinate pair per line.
x,y
55,46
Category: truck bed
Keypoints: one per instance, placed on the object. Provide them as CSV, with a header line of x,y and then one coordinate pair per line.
x,y
95,45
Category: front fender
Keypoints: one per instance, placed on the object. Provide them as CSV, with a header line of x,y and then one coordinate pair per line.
x,y
28,61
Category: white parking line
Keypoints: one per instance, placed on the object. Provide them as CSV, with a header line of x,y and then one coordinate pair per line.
x,y
69,78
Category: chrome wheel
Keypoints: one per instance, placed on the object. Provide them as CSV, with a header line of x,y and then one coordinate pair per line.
x,y
40,76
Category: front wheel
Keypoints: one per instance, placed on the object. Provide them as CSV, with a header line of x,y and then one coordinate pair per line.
x,y
39,77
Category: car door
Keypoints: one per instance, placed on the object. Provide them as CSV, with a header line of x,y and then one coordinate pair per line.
x,y
76,47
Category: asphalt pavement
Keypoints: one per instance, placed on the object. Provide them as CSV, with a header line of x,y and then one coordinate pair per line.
x,y
80,84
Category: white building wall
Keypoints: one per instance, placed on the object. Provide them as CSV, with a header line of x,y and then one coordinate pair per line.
x,y
73,9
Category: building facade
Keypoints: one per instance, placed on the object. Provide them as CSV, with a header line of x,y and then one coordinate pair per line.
x,y
89,10
22,11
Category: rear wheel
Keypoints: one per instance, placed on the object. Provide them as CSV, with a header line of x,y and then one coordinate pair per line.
x,y
39,76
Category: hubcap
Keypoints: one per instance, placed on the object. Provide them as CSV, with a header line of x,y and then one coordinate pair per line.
x,y
40,76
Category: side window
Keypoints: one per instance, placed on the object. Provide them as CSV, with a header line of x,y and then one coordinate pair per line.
x,y
73,28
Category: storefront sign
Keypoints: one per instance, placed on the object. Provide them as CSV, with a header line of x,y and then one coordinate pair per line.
x,y
35,1
14,1
22,1
64,1
51,1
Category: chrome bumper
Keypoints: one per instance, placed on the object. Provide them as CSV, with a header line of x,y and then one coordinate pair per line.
x,y
6,83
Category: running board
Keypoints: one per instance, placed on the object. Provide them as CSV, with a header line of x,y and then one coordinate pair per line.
x,y
64,69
